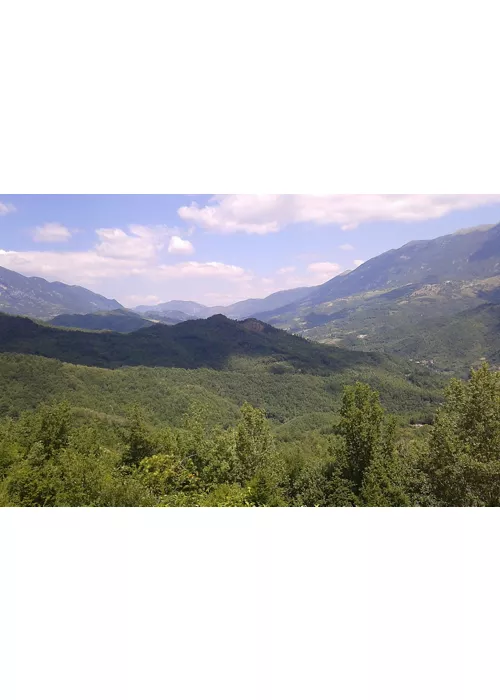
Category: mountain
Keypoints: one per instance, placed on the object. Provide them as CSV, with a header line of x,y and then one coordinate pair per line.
x,y
465,255
461,258
35,297
212,361
253,307
364,320
119,320
189,308
215,342
238,311
448,343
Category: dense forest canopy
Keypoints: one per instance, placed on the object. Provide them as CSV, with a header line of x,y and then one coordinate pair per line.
x,y
363,458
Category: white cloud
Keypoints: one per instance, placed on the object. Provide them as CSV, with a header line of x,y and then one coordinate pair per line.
x,y
233,213
6,208
127,265
87,266
262,214
324,268
320,272
79,267
346,246
142,243
51,233
285,270
180,246
357,263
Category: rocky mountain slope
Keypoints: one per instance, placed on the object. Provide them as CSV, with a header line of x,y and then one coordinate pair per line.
x,y
447,275
35,297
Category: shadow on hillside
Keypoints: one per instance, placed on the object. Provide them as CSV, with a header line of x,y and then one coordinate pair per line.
x,y
194,344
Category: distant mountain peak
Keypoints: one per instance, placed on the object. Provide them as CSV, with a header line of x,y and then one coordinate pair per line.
x,y
36,297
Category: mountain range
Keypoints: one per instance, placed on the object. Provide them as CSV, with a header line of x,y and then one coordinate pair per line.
x,y
238,311
433,277
106,406
462,257
35,297
392,303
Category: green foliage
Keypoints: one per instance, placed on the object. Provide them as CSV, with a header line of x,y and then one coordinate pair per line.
x,y
217,342
254,443
49,459
138,440
464,457
309,432
360,426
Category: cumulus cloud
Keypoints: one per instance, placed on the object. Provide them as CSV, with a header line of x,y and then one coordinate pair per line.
x,y
262,214
180,246
346,246
78,267
233,213
6,208
87,266
51,233
141,243
357,263
285,270
127,265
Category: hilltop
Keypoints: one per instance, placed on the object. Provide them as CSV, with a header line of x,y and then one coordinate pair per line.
x,y
214,342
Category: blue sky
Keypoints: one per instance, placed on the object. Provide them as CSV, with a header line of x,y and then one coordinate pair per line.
x,y
217,249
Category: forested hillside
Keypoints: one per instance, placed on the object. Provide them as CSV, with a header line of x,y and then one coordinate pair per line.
x,y
49,458
217,342
119,320
447,343
223,410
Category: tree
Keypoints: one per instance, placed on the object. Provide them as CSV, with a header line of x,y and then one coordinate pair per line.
x,y
361,418
138,440
49,426
254,443
464,456
164,475
367,460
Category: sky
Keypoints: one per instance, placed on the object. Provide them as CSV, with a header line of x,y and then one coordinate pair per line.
x,y
218,249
